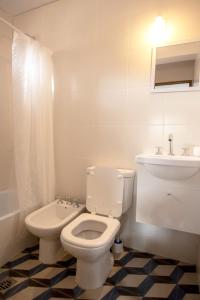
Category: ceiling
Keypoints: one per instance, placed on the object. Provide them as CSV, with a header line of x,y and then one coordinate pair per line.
x,y
16,7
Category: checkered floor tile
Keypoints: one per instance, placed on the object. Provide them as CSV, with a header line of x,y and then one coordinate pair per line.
x,y
135,276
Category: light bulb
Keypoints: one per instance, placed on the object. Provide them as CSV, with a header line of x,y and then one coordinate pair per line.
x,y
160,31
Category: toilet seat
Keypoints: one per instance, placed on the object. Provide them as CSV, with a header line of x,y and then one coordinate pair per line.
x,y
106,228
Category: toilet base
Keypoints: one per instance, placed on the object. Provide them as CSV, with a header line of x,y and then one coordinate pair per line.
x,y
50,250
92,275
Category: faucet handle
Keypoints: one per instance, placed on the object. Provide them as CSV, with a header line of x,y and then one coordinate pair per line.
x,y
158,150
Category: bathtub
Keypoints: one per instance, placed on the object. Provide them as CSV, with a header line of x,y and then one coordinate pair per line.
x,y
14,236
8,204
9,222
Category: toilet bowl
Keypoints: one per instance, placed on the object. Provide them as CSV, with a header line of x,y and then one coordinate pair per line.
x,y
47,223
90,236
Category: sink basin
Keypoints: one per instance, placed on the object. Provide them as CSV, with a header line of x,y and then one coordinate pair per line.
x,y
170,167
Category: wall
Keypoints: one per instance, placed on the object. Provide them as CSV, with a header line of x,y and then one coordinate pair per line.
x,y
104,111
6,150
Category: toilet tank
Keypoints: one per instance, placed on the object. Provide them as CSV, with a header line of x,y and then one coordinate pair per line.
x,y
109,190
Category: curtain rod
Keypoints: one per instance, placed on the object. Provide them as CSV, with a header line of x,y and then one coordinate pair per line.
x,y
21,32
15,28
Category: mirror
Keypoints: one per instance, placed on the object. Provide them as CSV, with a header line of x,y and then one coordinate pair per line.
x,y
176,67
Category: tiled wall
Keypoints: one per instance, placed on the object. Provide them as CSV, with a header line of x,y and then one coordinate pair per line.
x,y
6,141
104,111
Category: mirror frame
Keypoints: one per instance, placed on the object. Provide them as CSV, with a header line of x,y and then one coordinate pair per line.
x,y
153,70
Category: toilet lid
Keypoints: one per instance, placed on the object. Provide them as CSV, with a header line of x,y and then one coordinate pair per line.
x,y
104,191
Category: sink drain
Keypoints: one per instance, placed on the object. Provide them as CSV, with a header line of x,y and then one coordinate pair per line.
x,y
6,284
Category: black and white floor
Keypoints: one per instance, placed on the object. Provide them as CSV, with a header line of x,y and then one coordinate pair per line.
x,y
135,276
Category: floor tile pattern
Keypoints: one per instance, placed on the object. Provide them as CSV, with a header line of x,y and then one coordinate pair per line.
x,y
135,276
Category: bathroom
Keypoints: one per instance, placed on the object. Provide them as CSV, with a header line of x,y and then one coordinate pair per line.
x,y
104,114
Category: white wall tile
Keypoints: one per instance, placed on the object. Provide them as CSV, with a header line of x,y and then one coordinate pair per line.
x,y
182,108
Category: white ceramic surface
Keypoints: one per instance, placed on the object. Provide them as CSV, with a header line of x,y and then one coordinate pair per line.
x,y
171,167
90,236
90,231
9,222
47,223
169,160
105,188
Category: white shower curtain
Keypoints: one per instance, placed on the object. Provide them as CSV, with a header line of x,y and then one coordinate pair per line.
x,y
33,122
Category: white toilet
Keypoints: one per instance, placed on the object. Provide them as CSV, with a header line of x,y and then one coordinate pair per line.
x,y
90,236
47,223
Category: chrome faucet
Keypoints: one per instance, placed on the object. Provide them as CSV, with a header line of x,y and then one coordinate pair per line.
x,y
170,139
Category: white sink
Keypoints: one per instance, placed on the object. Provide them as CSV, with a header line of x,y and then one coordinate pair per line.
x,y
170,167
